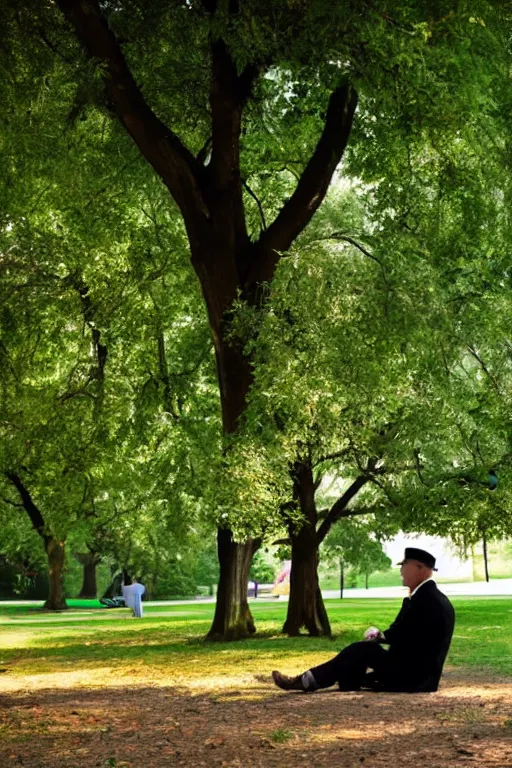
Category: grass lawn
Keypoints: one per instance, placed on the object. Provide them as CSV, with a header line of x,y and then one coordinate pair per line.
x,y
94,688
170,639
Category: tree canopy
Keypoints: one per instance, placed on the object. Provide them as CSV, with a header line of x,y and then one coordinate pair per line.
x,y
188,316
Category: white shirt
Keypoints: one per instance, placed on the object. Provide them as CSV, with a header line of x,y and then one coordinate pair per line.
x,y
430,578
132,594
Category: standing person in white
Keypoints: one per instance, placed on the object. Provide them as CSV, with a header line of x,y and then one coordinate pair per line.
x,y
132,595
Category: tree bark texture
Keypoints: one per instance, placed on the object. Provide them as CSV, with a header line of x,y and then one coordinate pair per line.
x,y
305,606
233,619
54,548
55,551
210,199
89,562
486,559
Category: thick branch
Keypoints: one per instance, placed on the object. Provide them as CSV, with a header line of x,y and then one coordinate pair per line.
x,y
97,372
53,47
355,511
339,509
332,456
282,542
88,558
314,182
228,95
229,92
210,6
174,163
31,509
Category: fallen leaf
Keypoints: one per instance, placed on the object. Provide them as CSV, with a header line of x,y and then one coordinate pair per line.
x,y
214,741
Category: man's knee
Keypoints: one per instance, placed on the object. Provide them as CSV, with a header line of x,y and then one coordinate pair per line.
x,y
363,649
354,662
359,656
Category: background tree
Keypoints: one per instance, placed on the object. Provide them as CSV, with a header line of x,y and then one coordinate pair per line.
x,y
340,397
353,544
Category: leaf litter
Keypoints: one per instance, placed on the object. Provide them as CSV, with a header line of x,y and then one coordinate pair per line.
x,y
245,721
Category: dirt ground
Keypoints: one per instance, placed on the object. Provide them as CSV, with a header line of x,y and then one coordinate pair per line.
x,y
248,722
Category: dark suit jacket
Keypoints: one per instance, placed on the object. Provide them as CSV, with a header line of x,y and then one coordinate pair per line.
x,y
419,640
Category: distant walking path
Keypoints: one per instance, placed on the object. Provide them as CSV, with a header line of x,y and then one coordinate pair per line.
x,y
495,588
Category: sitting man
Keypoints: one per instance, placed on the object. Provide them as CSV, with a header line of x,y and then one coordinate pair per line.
x,y
418,641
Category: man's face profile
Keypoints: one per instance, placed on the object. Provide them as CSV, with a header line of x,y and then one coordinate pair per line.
x,y
413,573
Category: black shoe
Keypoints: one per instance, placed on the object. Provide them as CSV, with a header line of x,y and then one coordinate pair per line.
x,y
288,683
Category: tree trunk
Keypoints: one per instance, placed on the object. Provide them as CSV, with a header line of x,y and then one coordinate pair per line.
x,y
211,202
232,619
366,576
53,547
305,606
89,562
55,551
486,561
342,579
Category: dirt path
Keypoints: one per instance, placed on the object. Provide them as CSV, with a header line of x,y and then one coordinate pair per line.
x,y
467,723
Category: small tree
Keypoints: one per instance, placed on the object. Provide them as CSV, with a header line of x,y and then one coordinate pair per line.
x,y
262,571
372,558
352,543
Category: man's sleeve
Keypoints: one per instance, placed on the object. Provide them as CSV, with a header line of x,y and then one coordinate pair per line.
x,y
392,634
421,622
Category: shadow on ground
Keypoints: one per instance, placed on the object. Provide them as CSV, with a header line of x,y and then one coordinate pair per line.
x,y
467,723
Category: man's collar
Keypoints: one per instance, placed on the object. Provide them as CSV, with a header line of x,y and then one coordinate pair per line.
x,y
430,578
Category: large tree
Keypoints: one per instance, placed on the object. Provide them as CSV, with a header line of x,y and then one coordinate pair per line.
x,y
194,82
377,363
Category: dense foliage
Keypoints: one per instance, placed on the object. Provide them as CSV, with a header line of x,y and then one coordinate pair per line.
x,y
187,333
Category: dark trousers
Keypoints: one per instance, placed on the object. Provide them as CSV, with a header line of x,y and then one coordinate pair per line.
x,y
350,666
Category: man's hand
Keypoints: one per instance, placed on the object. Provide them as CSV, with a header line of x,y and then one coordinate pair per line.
x,y
373,635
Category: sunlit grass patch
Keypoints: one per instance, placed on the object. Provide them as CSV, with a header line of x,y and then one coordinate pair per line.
x,y
280,735
170,648
463,714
